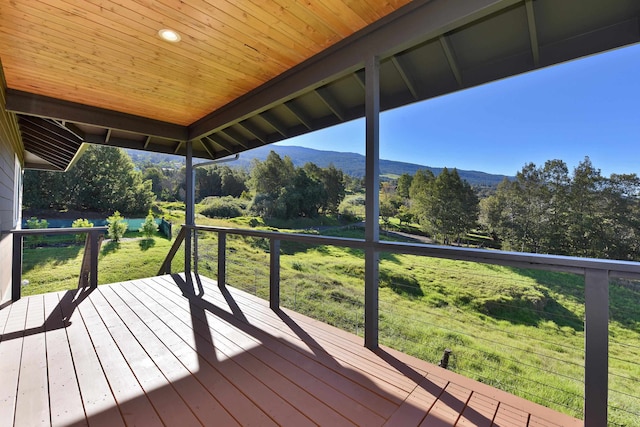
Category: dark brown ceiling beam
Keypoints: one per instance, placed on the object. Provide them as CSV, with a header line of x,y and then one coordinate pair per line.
x,y
146,142
52,108
416,22
49,128
75,130
359,76
108,136
451,59
533,32
208,147
52,143
42,167
119,142
222,144
299,114
405,78
235,137
619,34
273,122
178,147
45,154
331,103
253,130
32,144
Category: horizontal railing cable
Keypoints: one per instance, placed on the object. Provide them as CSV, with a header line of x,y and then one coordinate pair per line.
x,y
488,340
517,361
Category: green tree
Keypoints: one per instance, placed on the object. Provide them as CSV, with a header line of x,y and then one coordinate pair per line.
x,y
419,192
272,175
81,223
45,190
34,223
116,227
283,191
404,184
149,227
448,205
334,186
546,210
233,182
103,179
156,176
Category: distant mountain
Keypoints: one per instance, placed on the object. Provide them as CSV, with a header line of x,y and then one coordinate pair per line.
x,y
350,163
354,164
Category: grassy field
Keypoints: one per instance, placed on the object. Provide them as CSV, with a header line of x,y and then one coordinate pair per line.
x,y
518,330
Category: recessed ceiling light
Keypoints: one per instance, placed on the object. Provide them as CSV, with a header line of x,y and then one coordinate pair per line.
x,y
169,35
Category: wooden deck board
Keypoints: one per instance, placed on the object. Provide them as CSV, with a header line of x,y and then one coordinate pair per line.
x,y
10,355
32,403
341,350
323,367
142,353
240,346
98,401
64,392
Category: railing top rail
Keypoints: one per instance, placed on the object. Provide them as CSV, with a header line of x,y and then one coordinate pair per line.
x,y
561,263
293,237
66,230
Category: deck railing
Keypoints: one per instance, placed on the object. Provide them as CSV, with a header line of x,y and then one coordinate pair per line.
x,y
596,273
89,266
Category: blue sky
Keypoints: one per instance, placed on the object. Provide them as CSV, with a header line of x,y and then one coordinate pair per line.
x,y
588,107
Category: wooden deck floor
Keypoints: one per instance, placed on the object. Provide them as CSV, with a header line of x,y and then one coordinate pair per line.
x,y
141,353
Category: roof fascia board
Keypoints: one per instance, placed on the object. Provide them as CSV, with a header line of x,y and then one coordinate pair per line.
x,y
416,22
52,108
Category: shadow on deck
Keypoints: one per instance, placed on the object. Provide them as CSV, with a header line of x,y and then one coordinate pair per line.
x,y
166,351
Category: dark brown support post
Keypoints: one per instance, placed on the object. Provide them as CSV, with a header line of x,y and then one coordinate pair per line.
x,y
274,274
222,258
596,347
93,259
372,208
16,278
189,209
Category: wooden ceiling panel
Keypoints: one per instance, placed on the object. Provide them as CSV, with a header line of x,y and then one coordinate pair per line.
x,y
107,54
253,72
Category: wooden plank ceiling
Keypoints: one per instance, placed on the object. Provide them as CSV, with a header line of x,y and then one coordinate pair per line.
x,y
251,72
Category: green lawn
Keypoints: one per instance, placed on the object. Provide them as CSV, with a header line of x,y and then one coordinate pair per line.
x,y
56,268
518,330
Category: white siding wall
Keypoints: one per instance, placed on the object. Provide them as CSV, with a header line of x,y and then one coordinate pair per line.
x,y
7,202
10,146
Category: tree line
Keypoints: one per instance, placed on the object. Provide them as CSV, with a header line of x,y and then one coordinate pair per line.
x,y
544,209
445,206
547,210
105,180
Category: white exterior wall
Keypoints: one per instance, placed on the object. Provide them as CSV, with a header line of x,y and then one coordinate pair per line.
x,y
9,212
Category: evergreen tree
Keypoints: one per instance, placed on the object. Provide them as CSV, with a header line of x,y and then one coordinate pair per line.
x,y
104,179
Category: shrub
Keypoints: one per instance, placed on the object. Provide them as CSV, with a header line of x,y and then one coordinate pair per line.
x,y
347,215
116,226
149,227
81,223
224,207
35,223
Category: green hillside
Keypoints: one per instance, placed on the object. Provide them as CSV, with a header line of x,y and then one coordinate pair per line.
x,y
352,164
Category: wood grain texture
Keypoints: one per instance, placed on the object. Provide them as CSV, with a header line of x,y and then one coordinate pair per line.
x,y
108,54
149,352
